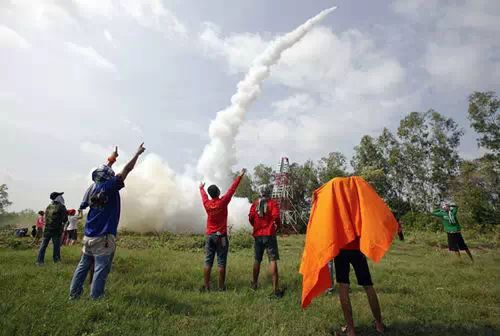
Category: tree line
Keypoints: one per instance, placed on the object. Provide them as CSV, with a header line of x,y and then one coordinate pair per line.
x,y
414,168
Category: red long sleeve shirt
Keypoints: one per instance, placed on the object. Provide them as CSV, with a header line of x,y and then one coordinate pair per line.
x,y
217,208
266,225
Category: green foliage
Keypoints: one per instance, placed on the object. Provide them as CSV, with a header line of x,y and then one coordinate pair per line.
x,y
423,290
331,166
25,218
420,221
245,188
485,119
4,198
476,192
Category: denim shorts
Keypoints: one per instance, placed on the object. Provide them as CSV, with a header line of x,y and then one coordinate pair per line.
x,y
268,243
216,244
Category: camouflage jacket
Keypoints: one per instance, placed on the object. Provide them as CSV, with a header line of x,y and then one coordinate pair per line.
x,y
55,218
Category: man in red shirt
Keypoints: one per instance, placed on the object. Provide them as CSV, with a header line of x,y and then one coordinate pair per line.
x,y
264,216
216,232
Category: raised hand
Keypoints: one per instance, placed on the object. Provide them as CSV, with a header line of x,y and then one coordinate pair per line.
x,y
202,184
243,171
141,149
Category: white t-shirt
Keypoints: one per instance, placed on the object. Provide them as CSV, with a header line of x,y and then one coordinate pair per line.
x,y
73,222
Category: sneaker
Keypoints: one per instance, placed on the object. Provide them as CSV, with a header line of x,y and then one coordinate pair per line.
x,y
204,289
39,263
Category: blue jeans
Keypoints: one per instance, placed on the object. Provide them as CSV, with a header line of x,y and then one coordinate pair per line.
x,y
102,267
56,255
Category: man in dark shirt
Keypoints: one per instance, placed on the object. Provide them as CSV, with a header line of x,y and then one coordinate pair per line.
x,y
55,218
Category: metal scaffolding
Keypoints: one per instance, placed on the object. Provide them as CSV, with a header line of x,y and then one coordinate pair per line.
x,y
283,194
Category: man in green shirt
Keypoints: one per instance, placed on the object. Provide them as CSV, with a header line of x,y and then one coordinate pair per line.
x,y
448,215
55,218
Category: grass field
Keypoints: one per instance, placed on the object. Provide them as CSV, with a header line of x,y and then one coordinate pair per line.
x,y
153,290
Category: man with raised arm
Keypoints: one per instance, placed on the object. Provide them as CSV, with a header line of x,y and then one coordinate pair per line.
x,y
216,231
103,198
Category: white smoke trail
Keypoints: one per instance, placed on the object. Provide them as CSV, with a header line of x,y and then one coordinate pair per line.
x,y
157,199
219,156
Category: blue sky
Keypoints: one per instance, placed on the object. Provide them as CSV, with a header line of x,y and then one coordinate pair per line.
x,y
80,76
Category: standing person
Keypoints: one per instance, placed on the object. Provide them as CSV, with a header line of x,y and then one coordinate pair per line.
x,y
400,231
216,231
72,226
264,216
350,254
448,215
101,226
55,217
40,224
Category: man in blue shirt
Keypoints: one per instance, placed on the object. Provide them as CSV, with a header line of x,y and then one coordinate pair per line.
x,y
103,198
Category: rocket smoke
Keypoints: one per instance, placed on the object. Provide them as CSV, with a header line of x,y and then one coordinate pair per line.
x,y
158,199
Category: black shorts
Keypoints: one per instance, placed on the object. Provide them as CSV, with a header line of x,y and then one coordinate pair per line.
x,y
216,244
268,243
358,262
72,234
456,242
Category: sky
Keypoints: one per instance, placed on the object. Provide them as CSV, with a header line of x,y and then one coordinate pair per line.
x,y
81,76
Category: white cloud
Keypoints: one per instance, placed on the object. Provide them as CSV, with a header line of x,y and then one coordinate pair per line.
x,y
91,56
297,103
11,39
108,36
462,44
42,14
95,7
150,14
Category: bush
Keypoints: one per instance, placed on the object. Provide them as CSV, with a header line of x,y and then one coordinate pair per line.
x,y
420,221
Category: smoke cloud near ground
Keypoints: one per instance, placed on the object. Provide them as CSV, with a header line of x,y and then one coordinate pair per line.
x,y
158,199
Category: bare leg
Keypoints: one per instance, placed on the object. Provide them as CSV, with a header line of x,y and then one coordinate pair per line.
x,y
222,277
206,276
345,302
469,254
256,271
375,307
273,267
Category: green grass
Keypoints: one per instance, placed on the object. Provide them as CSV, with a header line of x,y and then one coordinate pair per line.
x,y
153,290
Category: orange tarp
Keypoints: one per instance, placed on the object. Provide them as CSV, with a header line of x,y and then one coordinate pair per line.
x,y
343,209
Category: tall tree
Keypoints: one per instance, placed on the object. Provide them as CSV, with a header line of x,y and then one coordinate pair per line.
x,y
333,165
485,119
4,199
262,175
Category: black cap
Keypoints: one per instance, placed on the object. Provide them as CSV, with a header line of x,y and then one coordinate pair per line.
x,y
54,195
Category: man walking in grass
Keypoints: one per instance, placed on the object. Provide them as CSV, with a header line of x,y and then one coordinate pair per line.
x,y
264,216
101,227
216,231
55,218
448,215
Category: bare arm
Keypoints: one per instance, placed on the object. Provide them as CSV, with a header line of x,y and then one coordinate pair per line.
x,y
131,164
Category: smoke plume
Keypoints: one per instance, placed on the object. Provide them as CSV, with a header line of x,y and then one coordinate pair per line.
x,y
158,199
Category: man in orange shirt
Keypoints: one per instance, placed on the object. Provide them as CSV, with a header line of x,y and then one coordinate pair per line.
x,y
264,216
216,232
351,255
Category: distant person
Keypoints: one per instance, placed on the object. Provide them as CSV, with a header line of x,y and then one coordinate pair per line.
x,y
40,225
401,235
264,216
72,226
448,215
103,198
33,231
55,217
216,232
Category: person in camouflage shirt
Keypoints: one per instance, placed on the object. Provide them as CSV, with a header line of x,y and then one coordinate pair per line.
x,y
55,218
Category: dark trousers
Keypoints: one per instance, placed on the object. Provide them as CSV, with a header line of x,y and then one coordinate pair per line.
x,y
56,241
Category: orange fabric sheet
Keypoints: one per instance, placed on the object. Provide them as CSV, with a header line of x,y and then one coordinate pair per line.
x,y
342,210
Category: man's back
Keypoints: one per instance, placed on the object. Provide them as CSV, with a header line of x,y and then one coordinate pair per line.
x,y
55,217
217,209
264,225
105,205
